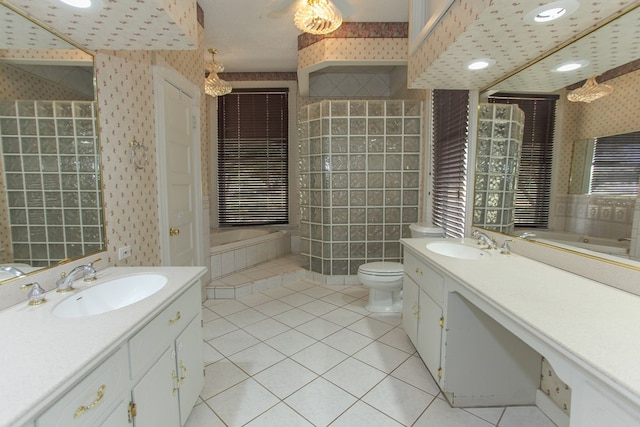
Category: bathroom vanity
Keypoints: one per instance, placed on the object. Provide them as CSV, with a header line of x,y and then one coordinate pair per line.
x,y
482,324
138,365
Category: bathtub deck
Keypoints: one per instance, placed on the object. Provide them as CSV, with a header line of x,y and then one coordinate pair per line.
x,y
255,279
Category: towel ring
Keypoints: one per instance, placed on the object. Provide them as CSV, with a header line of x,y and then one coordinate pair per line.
x,y
138,154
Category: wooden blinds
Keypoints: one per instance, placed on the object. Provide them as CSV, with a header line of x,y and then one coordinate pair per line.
x,y
450,158
253,155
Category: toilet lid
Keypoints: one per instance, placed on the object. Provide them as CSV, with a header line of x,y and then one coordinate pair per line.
x,y
382,268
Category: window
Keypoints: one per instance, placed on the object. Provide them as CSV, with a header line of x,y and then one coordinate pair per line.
x,y
253,157
450,159
616,164
534,178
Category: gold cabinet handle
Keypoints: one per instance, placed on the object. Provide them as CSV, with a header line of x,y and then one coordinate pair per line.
x,y
174,377
179,381
416,311
418,271
174,231
175,319
81,409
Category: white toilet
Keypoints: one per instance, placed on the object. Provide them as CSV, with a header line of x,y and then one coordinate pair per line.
x,y
384,279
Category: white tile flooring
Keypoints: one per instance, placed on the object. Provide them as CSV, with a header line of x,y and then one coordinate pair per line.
x,y
304,354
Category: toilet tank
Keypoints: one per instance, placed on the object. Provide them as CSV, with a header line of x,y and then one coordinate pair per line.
x,y
425,230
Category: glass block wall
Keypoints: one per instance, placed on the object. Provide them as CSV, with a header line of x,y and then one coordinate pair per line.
x,y
52,178
500,130
359,171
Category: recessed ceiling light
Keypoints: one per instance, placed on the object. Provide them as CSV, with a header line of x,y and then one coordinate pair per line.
x,y
480,64
550,14
551,11
571,66
82,4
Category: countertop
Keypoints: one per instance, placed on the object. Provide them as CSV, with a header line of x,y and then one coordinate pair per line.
x,y
594,325
42,355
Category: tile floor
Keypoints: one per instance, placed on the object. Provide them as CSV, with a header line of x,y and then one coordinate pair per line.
x,y
305,354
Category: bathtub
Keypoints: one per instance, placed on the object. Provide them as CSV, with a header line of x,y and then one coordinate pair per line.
x,y
597,244
236,249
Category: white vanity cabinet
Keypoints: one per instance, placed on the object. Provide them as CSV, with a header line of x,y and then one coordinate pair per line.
x,y
96,400
167,365
422,316
475,361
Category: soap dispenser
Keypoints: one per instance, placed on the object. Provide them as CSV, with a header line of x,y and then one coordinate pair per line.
x,y
36,294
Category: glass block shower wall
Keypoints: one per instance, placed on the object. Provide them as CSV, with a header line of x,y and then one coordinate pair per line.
x,y
359,171
52,178
500,130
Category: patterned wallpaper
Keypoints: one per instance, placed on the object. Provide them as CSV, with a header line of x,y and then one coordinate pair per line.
x,y
126,110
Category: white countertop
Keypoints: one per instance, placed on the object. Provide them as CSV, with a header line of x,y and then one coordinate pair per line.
x,y
596,326
42,355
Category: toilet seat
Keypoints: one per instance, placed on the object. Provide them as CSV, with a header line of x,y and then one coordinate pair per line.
x,y
382,269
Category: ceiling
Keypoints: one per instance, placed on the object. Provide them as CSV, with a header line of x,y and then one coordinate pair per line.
x,y
259,35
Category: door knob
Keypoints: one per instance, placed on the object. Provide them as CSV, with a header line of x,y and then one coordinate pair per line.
x,y
174,231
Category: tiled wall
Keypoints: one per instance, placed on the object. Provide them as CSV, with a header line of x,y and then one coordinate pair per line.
x,y
52,178
596,214
359,173
500,130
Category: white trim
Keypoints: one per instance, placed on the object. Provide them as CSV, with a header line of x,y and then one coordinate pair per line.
x,y
163,72
424,15
551,410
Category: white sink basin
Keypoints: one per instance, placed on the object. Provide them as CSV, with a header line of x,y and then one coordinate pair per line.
x,y
457,250
110,295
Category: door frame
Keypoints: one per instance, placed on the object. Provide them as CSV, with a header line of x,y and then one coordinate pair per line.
x,y
163,72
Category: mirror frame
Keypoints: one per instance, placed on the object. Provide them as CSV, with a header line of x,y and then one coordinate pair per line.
x,y
103,242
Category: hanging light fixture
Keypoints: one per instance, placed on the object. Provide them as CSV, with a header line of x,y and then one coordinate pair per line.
x,y
214,85
590,91
318,17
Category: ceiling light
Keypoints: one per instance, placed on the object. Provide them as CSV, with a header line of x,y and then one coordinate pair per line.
x,y
571,66
83,4
318,17
480,64
551,11
214,85
590,91
550,14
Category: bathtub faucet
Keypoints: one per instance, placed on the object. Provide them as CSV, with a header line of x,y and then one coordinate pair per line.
x,y
624,239
527,235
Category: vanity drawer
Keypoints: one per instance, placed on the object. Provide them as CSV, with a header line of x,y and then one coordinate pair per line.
x,y
426,277
149,344
92,400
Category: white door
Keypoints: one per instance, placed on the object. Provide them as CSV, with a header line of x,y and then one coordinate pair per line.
x,y
178,136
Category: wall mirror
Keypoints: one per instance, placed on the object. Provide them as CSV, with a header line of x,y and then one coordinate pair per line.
x,y
612,49
50,181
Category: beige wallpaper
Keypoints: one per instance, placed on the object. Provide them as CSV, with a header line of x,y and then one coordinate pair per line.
x,y
126,110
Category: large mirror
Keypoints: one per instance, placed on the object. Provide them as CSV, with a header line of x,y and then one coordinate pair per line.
x,y
598,222
50,181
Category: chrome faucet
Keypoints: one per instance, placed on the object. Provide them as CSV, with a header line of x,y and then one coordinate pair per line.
x,y
88,271
484,238
15,271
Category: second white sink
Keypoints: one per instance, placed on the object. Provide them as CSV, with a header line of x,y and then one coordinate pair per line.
x,y
110,295
457,250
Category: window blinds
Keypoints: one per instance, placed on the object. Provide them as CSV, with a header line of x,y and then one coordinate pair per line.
x,y
450,159
253,156
616,164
